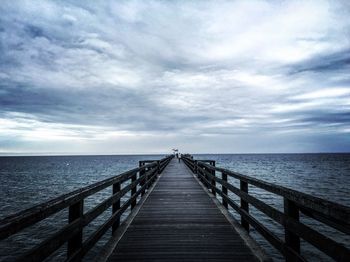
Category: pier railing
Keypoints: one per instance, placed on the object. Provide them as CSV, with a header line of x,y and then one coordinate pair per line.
x,y
140,179
329,213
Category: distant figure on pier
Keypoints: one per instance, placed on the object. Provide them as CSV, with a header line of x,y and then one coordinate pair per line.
x,y
179,157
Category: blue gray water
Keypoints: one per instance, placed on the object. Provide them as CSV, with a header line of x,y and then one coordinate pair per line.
x,y
26,181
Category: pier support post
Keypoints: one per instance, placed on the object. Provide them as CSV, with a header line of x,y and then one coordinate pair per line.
x,y
224,189
116,207
213,182
158,167
207,179
76,211
244,205
133,190
291,210
155,175
147,178
141,174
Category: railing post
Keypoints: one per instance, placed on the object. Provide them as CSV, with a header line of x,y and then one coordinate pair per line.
x,y
116,207
158,167
244,205
146,179
291,210
202,175
142,173
213,182
224,189
76,211
133,190
205,177
198,172
154,176
195,166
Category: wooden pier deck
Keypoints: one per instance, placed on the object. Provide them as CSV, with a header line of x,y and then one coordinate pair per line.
x,y
180,222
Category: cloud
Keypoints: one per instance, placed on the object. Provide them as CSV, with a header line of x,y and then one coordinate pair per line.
x,y
126,73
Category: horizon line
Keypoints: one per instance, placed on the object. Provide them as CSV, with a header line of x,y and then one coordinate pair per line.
x,y
145,154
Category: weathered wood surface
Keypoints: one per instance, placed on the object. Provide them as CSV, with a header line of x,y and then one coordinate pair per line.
x,y
179,222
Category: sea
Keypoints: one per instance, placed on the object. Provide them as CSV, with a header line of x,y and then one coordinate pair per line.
x,y
29,180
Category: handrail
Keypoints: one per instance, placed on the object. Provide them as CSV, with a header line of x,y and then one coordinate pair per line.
x,y
295,202
143,176
325,207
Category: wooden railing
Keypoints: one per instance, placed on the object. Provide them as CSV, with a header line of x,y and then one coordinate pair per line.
x,y
329,213
140,179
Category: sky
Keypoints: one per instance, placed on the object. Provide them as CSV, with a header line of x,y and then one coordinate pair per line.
x,y
142,77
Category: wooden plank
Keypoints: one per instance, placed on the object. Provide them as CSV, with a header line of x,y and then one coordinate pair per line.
x,y
75,212
116,207
133,190
178,221
244,204
292,240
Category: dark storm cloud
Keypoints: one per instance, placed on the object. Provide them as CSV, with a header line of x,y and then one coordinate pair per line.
x,y
34,31
342,118
134,109
79,106
325,62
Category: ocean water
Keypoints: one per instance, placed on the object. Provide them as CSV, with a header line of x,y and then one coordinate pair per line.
x,y
26,181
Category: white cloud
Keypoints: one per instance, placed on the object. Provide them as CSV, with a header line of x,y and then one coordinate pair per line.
x,y
324,93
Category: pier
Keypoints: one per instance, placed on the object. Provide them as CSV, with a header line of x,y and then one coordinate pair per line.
x,y
181,211
180,222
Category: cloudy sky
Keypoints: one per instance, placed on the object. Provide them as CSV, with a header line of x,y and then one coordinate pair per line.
x,y
146,76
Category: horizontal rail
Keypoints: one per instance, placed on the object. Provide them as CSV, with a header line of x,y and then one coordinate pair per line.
x,y
294,203
14,223
334,211
72,232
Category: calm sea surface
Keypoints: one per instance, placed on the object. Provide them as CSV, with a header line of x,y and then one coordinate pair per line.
x,y
26,181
